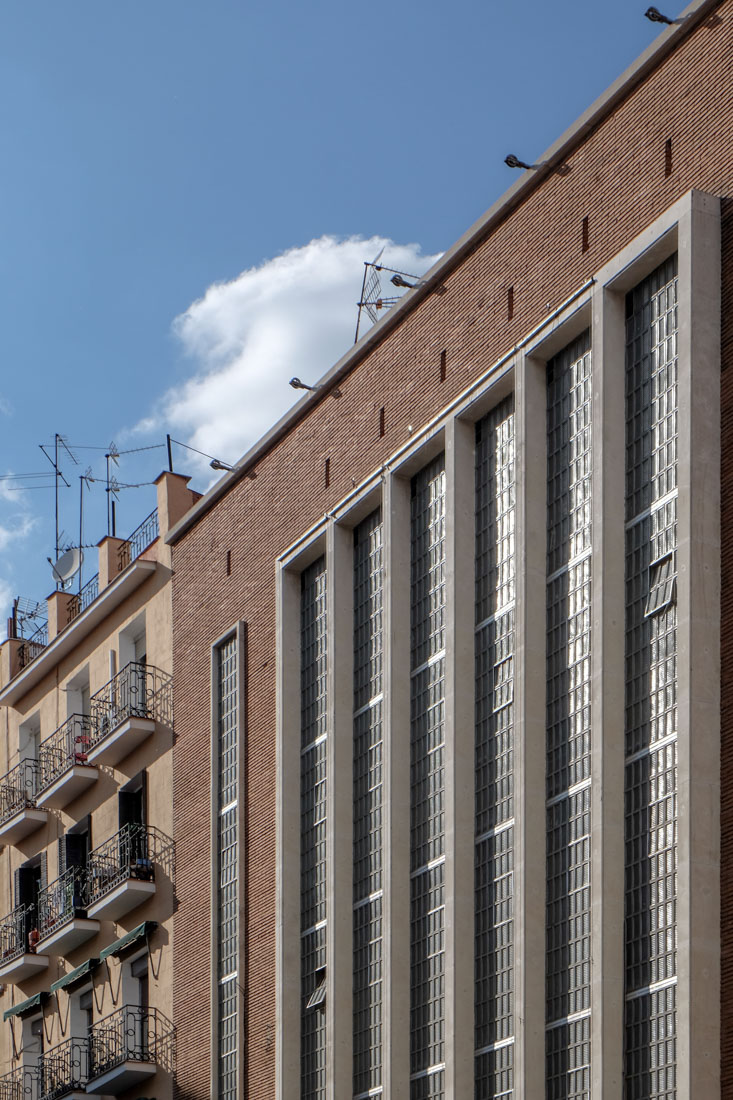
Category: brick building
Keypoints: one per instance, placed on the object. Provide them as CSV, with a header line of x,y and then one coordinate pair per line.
x,y
450,690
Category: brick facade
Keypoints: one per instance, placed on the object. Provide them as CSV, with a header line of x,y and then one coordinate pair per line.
x,y
615,177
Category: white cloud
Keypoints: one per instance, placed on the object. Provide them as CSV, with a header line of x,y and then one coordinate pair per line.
x,y
293,315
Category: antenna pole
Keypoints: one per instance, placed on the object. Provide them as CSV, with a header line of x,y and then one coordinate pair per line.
x,y
108,497
170,453
114,521
56,468
81,527
361,301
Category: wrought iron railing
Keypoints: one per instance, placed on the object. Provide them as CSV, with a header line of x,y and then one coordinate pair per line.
x,y
80,602
68,745
131,1034
62,900
138,691
20,1084
18,789
18,933
28,651
130,854
138,541
63,1069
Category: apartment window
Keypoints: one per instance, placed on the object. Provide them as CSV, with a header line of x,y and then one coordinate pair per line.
x,y
651,686
226,768
427,826
313,726
494,753
368,703
568,723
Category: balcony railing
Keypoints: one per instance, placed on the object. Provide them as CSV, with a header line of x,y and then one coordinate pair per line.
x,y
15,933
138,691
130,1034
62,900
28,651
63,1069
140,538
18,789
80,602
127,855
19,1084
68,745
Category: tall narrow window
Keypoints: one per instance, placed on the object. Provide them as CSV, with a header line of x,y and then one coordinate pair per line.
x,y
226,763
568,723
368,701
313,718
651,686
494,764
427,829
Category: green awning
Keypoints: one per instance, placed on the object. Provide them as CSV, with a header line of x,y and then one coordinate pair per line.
x,y
75,975
140,933
24,1007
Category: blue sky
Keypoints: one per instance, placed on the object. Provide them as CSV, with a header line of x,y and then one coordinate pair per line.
x,y
188,192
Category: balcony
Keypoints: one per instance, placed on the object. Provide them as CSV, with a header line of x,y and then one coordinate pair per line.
x,y
18,938
138,541
121,872
126,1048
63,1071
19,1084
62,913
126,710
64,770
19,815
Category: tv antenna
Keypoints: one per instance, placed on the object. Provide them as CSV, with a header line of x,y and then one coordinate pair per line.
x,y
372,299
66,567
59,442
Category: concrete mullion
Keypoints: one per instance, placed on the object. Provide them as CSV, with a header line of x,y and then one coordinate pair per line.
x,y
529,729
459,759
396,788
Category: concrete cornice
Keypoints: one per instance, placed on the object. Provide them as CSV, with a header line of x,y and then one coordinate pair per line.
x,y
529,181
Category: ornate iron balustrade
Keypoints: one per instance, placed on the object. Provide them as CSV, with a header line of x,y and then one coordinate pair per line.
x,y
131,1034
130,854
15,933
18,789
62,900
68,745
80,602
63,1069
20,1084
138,541
28,651
138,691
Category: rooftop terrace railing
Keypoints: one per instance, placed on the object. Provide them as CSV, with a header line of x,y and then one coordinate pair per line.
x,y
15,933
63,1069
68,745
138,691
80,602
138,541
18,789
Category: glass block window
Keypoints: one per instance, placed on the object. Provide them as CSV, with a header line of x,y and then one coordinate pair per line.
x,y
568,722
650,928
313,717
226,761
494,748
368,704
427,826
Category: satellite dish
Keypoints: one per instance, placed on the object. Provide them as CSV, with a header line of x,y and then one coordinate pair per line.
x,y
67,566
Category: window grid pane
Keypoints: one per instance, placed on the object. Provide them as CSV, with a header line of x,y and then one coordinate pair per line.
x,y
367,927
427,589
651,686
494,747
568,721
313,826
227,900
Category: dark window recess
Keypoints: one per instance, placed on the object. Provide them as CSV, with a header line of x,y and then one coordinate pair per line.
x,y
510,303
327,472
132,802
668,157
229,563
585,235
86,1004
381,421
443,357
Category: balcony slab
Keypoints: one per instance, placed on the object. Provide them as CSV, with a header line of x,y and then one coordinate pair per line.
x,y
121,741
22,967
21,825
73,782
70,935
124,1076
123,899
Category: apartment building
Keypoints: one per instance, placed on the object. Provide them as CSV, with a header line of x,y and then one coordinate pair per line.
x,y
452,709
87,866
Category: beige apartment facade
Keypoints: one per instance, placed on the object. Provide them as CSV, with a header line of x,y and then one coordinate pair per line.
x,y
87,865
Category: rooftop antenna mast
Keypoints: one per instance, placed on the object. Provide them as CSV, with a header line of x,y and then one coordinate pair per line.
x,y
112,487
372,299
59,441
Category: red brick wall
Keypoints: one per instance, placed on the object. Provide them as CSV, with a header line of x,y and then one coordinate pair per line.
x,y
617,180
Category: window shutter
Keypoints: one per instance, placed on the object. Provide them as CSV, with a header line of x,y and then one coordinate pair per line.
x,y
17,887
44,870
62,854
